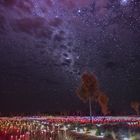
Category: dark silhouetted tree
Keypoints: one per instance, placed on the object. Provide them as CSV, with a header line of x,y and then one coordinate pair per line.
x,y
135,105
88,90
103,102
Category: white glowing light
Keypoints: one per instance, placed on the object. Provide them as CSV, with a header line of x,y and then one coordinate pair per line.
x,y
76,128
98,125
126,138
124,2
92,132
68,125
81,131
79,11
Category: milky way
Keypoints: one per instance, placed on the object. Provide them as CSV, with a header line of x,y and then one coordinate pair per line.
x,y
46,45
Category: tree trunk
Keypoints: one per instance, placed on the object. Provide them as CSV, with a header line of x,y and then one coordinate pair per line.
x,y
90,110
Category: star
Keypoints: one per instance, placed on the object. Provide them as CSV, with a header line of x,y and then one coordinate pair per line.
x,y
79,11
124,2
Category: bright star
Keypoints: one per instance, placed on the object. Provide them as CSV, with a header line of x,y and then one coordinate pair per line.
x,y
124,2
79,11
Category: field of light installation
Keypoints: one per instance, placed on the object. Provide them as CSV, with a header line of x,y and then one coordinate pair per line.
x,y
68,58
69,128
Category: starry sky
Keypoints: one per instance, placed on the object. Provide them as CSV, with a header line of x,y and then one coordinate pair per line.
x,y
45,46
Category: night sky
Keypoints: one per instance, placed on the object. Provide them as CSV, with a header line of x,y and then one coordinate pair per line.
x,y
45,46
